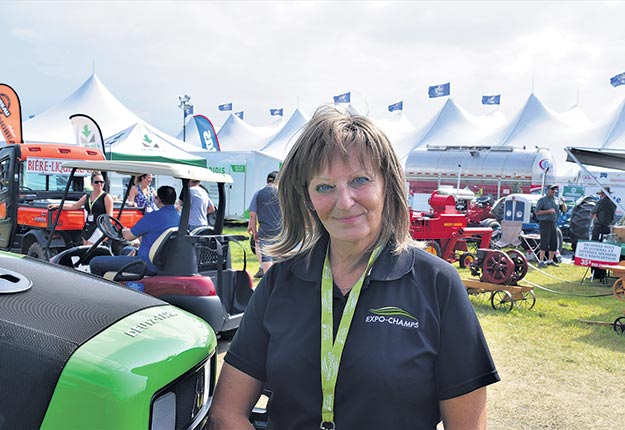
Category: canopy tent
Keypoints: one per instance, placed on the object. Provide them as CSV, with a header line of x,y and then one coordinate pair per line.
x,y
237,135
282,142
400,131
93,99
453,126
142,142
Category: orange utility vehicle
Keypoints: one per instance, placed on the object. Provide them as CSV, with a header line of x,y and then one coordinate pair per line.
x,y
31,177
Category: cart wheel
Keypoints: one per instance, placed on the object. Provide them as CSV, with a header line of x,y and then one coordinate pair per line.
x,y
619,289
497,268
619,325
466,259
433,248
501,300
520,264
526,301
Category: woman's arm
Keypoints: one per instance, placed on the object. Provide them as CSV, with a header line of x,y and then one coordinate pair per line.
x,y
108,204
78,205
130,201
466,412
235,396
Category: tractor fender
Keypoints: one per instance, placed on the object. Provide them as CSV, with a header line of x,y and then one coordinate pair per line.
x,y
39,236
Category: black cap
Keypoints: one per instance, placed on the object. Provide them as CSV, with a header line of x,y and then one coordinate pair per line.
x,y
604,188
271,177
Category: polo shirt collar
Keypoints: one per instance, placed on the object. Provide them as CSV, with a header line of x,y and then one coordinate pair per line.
x,y
388,266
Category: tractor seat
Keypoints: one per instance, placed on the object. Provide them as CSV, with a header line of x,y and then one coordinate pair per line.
x,y
158,250
205,230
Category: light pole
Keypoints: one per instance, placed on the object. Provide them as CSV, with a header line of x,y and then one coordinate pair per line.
x,y
187,109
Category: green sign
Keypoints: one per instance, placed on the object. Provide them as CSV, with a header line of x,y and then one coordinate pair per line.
x,y
573,192
238,168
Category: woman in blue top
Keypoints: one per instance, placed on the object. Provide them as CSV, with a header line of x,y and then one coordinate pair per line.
x,y
142,194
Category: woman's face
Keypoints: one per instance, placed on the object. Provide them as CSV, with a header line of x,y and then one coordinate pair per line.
x,y
97,182
349,199
147,179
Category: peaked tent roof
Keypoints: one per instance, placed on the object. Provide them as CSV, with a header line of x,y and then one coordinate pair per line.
x,y
282,142
237,135
535,125
453,126
143,142
93,99
400,131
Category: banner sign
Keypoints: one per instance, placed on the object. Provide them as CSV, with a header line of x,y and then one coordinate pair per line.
x,y
573,191
49,166
591,253
10,115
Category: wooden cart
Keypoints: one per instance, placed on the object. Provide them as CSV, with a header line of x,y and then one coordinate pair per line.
x,y
503,297
618,288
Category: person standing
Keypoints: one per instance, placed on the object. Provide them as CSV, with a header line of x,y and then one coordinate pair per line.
x,y
265,221
201,205
142,194
602,215
355,326
547,211
96,203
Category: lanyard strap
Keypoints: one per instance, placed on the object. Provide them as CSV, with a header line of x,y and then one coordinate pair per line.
x,y
91,203
331,352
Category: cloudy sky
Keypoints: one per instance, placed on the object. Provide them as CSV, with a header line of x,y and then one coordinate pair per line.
x,y
262,55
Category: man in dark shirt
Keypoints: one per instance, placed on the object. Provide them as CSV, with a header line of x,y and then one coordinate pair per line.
x,y
547,211
602,215
265,220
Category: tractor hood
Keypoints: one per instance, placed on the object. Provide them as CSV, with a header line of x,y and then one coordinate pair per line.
x,y
44,318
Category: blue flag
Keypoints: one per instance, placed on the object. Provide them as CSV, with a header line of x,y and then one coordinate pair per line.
x,y
439,90
618,80
225,106
239,114
273,112
491,100
188,110
208,137
342,98
396,106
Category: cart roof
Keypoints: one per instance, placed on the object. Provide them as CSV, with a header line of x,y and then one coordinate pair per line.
x,y
181,171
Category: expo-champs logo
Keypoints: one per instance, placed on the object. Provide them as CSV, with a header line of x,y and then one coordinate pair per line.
x,y
392,315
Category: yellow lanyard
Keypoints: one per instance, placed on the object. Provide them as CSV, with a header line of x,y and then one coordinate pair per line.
x,y
331,352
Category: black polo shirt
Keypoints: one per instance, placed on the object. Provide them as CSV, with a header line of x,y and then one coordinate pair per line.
x,y
414,340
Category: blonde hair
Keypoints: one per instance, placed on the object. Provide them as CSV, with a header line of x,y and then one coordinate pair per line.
x,y
331,133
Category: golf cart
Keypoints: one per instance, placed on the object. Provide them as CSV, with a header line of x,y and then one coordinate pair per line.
x,y
193,269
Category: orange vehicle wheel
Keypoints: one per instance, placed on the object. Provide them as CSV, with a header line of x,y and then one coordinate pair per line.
x,y
433,248
619,289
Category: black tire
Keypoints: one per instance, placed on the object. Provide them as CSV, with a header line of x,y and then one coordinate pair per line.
x,y
432,247
466,259
38,251
560,239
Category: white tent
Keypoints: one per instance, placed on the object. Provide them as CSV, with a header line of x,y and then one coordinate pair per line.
x,y
400,131
93,99
143,142
282,142
237,135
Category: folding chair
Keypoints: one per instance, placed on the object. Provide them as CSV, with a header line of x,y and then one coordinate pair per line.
x,y
510,231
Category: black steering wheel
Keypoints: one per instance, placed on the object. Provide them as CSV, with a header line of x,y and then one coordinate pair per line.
x,y
111,227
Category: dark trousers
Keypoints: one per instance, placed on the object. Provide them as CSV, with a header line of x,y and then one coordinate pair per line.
x,y
598,230
548,236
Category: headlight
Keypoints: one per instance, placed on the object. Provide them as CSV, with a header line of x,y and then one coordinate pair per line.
x,y
185,402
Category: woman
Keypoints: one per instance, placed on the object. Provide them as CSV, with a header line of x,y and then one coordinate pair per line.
x,y
96,203
142,194
408,349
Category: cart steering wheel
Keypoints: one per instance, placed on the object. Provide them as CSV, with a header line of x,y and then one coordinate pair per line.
x,y
111,227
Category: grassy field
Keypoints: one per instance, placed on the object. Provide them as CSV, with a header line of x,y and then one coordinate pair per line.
x,y
557,371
